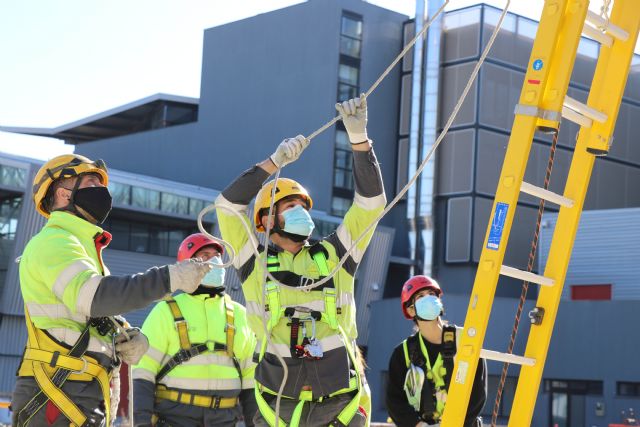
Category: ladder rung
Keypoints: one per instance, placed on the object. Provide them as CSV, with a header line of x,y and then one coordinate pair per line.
x,y
577,118
506,357
526,276
546,195
599,22
585,110
597,35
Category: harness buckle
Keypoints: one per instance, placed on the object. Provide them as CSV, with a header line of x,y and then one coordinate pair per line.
x,y
216,402
183,355
84,367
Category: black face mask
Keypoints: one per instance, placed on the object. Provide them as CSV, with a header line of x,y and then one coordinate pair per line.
x,y
94,201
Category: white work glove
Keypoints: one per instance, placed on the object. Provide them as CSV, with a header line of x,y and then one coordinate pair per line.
x,y
131,351
354,117
289,150
187,275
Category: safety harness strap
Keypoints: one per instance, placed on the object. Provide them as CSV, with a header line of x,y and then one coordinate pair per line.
x,y
213,402
230,327
330,316
448,351
50,387
188,351
181,324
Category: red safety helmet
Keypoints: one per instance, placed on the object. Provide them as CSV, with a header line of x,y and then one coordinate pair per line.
x,y
413,285
194,243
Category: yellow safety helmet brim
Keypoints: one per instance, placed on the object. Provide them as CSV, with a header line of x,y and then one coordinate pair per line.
x,y
64,166
286,187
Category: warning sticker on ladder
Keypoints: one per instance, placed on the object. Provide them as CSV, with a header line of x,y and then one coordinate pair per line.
x,y
497,225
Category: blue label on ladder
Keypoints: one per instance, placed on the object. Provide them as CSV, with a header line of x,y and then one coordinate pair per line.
x,y
497,225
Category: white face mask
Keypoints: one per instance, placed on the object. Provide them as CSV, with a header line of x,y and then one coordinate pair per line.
x,y
214,278
298,221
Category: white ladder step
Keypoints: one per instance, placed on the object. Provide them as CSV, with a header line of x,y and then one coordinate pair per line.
x,y
526,276
506,357
599,22
577,118
597,35
584,109
547,195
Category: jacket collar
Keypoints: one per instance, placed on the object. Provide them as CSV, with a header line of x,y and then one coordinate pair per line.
x,y
73,224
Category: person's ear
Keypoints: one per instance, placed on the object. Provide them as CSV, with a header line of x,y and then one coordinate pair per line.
x,y
62,194
411,310
263,221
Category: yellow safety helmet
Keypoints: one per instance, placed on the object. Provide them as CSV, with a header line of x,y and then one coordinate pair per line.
x,y
65,166
286,187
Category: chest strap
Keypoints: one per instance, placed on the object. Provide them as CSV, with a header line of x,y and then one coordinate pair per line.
x,y
188,350
276,312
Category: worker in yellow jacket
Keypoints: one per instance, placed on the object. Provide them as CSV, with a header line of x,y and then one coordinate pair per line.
x,y
314,331
74,341
199,368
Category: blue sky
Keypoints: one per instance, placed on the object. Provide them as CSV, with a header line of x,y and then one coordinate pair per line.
x,y
66,60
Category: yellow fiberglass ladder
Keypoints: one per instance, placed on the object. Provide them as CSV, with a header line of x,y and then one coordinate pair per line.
x,y
542,105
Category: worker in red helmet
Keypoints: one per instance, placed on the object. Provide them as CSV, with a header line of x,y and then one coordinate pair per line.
x,y
420,367
199,368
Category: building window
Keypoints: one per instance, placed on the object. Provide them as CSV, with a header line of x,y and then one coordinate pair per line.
x,y
9,215
589,387
627,389
12,176
340,205
350,47
172,203
348,74
591,292
145,198
134,236
121,193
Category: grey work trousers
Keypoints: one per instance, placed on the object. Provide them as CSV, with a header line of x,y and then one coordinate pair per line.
x,y
314,414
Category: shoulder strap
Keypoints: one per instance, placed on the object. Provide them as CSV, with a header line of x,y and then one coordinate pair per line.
x,y
413,352
320,254
230,327
449,349
181,324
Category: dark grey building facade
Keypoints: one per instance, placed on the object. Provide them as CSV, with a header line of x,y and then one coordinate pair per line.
x,y
279,74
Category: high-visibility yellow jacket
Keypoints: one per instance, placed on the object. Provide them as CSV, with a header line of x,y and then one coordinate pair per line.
x,y
331,373
212,373
64,283
60,271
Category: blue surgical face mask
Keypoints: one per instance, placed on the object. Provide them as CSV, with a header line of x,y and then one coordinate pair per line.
x,y
298,221
214,278
428,307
